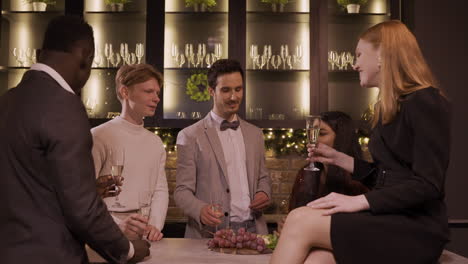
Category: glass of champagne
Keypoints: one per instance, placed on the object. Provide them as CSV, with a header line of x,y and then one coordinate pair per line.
x,y
145,198
216,207
117,158
313,131
144,202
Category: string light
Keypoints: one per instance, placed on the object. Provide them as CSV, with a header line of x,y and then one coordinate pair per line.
x,y
282,141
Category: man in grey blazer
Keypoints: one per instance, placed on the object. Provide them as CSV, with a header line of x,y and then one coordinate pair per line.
x,y
49,203
221,160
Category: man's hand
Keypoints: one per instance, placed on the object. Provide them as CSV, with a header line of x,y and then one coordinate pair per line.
x,y
153,234
107,187
208,216
141,250
260,201
134,226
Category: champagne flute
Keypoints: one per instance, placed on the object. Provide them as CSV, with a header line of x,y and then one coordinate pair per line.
x,y
145,197
215,206
117,158
313,131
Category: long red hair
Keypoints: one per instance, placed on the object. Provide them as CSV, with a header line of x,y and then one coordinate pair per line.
x,y
403,67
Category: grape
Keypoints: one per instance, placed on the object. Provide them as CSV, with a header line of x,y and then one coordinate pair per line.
x,y
233,239
253,236
260,241
260,248
211,244
247,244
218,233
246,237
253,245
239,245
222,243
240,238
228,244
241,231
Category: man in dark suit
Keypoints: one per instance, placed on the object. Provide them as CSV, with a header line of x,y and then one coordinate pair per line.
x,y
49,204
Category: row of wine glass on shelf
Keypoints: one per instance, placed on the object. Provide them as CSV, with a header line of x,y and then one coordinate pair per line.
x,y
27,56
115,58
197,59
267,57
342,60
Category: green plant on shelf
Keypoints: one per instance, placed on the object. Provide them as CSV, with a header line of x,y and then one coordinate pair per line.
x,y
197,87
344,3
275,1
208,3
48,2
110,2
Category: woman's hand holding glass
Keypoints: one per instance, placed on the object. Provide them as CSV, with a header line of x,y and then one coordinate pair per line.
x,y
328,155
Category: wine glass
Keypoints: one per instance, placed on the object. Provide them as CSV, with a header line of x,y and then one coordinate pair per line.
x,y
117,158
144,202
313,131
139,52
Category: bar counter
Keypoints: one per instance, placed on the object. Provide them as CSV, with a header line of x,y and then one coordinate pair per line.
x,y
195,251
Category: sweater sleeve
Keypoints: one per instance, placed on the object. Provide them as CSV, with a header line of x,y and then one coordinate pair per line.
x,y
161,194
428,116
99,154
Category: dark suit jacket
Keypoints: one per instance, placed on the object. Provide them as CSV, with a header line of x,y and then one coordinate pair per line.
x,y
48,200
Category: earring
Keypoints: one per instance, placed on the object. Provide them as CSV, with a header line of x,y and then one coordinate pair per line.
x,y
379,61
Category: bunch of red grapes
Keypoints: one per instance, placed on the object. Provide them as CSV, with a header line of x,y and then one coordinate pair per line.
x,y
227,238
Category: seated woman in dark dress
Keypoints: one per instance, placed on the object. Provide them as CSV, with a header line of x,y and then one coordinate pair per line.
x,y
338,131
403,218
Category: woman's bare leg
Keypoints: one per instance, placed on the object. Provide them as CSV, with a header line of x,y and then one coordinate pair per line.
x,y
320,256
304,229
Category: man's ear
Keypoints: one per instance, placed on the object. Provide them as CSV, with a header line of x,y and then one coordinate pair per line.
x,y
211,90
123,90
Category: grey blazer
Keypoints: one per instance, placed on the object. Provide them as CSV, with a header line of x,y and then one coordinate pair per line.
x,y
49,204
201,170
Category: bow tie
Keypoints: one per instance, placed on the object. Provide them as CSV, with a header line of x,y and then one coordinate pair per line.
x,y
232,125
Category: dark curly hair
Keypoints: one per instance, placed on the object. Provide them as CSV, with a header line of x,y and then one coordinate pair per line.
x,y
221,67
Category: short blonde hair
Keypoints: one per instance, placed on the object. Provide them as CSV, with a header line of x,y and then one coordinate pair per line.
x,y
129,75
403,67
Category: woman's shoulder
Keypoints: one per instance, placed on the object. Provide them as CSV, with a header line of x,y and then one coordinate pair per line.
x,y
425,95
423,102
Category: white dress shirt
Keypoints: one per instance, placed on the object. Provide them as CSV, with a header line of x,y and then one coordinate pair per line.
x,y
59,79
233,146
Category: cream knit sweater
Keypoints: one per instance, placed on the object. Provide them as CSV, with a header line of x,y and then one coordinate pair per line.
x,y
144,165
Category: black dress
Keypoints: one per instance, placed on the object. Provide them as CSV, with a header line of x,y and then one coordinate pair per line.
x,y
407,221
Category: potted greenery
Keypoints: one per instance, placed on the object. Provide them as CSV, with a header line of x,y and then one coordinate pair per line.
x,y
352,5
117,5
200,5
40,5
276,4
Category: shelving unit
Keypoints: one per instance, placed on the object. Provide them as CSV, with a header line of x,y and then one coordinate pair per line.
x,y
309,87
